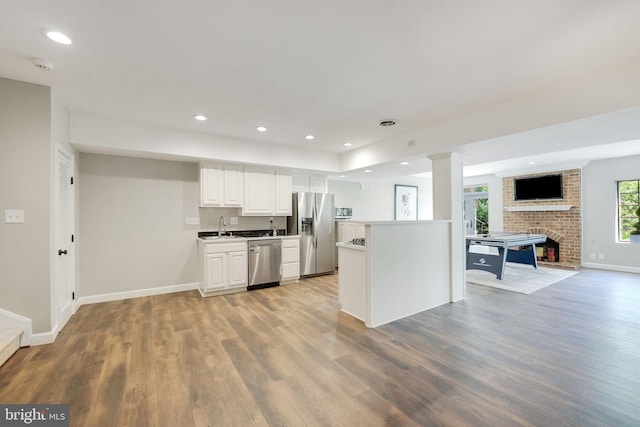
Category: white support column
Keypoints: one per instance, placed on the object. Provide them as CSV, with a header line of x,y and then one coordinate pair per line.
x,y
448,204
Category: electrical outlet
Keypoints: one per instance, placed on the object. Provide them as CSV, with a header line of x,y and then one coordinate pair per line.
x,y
14,216
592,256
233,220
191,220
600,256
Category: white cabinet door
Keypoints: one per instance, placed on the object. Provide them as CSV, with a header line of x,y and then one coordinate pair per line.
x,y
317,184
283,195
300,183
214,272
233,186
224,267
359,231
211,188
259,193
290,259
312,183
341,232
237,262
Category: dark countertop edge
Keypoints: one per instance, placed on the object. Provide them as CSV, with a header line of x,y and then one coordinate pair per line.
x,y
248,234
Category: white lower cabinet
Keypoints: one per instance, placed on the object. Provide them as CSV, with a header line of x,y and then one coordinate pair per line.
x,y
224,267
290,267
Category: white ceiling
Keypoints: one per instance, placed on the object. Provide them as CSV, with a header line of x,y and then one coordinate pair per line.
x,y
335,68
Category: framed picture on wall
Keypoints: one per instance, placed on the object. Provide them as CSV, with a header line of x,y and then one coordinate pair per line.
x,y
406,199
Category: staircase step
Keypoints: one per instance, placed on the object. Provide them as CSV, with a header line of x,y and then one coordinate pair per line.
x,y
9,343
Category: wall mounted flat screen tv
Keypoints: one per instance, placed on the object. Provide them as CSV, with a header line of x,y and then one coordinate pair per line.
x,y
538,188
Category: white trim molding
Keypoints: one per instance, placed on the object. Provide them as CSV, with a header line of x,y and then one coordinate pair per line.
x,y
532,208
622,268
116,296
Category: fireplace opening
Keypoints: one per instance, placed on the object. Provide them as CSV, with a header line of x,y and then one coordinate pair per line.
x,y
549,251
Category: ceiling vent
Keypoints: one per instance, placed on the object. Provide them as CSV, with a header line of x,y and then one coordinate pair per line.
x,y
386,123
41,64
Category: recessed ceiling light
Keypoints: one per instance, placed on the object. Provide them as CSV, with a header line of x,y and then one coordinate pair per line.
x,y
58,37
367,170
347,144
342,176
309,137
532,163
386,123
261,129
404,163
200,117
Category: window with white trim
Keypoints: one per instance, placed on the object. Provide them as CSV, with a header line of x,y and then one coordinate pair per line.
x,y
628,201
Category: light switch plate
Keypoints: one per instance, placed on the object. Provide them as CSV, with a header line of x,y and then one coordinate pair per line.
x,y
14,216
233,220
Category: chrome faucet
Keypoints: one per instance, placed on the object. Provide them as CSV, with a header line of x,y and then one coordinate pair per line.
x,y
224,224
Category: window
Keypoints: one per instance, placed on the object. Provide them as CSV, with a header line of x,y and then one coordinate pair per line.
x,y
628,200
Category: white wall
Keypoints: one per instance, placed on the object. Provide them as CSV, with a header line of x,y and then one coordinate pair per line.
x,y
25,183
132,233
599,195
409,269
374,200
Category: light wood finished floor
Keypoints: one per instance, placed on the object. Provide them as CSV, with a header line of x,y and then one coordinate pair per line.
x,y
567,355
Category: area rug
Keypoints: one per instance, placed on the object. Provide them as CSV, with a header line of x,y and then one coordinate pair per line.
x,y
520,278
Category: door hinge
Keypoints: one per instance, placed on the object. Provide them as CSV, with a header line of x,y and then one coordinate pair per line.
x,y
71,180
72,238
73,295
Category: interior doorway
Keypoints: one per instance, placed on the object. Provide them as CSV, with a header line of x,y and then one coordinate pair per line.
x,y
476,209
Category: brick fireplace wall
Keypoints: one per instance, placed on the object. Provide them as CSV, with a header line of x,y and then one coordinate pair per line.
x,y
562,226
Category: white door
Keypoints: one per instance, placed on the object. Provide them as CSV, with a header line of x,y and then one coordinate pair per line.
x,y
65,265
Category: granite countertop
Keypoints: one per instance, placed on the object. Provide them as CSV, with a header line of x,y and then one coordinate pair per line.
x,y
243,235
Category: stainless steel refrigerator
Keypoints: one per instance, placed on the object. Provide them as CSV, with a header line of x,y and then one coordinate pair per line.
x,y
313,219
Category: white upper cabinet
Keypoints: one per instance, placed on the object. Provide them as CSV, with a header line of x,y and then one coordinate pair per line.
x,y
283,194
259,193
313,183
221,186
317,184
211,185
266,193
233,186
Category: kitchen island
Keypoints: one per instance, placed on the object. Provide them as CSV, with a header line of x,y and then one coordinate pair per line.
x,y
403,268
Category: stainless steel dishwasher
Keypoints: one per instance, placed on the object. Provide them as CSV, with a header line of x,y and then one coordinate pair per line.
x,y
265,257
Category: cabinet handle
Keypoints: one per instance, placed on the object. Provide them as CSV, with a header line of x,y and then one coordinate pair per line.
x,y
61,252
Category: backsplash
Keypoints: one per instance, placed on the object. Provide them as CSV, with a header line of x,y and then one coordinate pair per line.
x,y
209,220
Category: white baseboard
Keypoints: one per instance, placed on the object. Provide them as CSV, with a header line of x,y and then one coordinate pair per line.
x,y
117,296
622,268
13,320
44,337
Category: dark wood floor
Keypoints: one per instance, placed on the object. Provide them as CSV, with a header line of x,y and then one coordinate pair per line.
x,y
567,355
